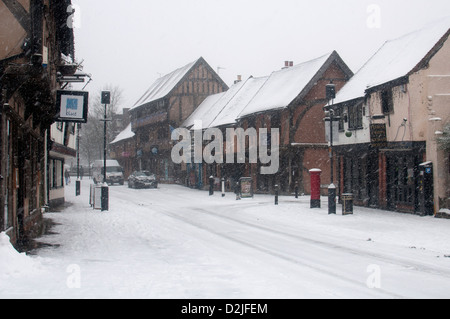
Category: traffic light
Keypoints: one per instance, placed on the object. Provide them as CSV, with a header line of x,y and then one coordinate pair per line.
x,y
106,97
331,91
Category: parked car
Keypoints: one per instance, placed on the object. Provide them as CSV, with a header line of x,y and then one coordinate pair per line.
x,y
142,179
114,172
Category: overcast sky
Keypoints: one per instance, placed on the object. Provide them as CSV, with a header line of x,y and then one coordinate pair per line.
x,y
131,43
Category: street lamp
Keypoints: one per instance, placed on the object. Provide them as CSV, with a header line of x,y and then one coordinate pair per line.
x,y
78,182
106,100
329,111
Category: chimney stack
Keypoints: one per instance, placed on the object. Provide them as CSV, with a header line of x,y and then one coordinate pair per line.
x,y
288,64
239,79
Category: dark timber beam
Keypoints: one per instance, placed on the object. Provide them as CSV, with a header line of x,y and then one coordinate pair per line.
x,y
19,12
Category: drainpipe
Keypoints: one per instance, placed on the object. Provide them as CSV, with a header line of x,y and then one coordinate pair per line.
x,y
4,164
2,195
46,175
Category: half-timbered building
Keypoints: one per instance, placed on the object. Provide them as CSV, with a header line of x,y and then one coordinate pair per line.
x,y
393,112
31,49
291,100
168,102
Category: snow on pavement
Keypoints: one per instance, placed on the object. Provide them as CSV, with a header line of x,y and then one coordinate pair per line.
x,y
180,243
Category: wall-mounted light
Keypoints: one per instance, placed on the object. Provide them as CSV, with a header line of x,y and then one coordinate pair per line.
x,y
37,59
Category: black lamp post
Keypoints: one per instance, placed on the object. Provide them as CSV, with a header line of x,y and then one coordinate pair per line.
x,y
331,95
106,100
78,182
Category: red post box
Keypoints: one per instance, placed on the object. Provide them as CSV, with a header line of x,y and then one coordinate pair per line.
x,y
315,187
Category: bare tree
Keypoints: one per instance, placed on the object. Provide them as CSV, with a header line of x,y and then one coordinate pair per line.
x,y
92,133
98,109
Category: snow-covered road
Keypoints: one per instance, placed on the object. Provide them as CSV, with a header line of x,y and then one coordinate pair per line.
x,y
180,243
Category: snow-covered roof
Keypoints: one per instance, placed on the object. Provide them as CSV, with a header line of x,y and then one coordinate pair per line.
x,y
210,109
394,60
284,86
124,135
262,94
239,101
206,111
224,108
164,85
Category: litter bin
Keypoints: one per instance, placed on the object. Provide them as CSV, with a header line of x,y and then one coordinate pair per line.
x,y
246,187
347,204
97,198
101,197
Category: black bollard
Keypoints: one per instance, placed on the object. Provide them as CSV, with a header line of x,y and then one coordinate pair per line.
x,y
211,186
276,194
332,200
223,187
77,188
237,191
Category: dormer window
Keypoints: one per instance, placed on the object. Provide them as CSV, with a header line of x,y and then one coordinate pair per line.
x,y
387,101
355,116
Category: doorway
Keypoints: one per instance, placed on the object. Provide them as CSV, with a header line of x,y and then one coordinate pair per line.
x,y
402,182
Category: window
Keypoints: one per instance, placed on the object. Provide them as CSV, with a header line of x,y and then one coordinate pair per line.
x,y
387,101
163,133
72,128
355,116
144,138
275,121
56,174
340,114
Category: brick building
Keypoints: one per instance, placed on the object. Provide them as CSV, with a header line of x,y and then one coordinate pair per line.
x,y
291,100
164,106
123,149
393,111
31,48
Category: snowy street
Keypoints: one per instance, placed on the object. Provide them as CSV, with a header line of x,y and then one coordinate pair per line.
x,y
175,242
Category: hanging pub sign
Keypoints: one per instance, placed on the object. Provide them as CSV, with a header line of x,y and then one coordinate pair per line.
x,y
72,106
378,135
